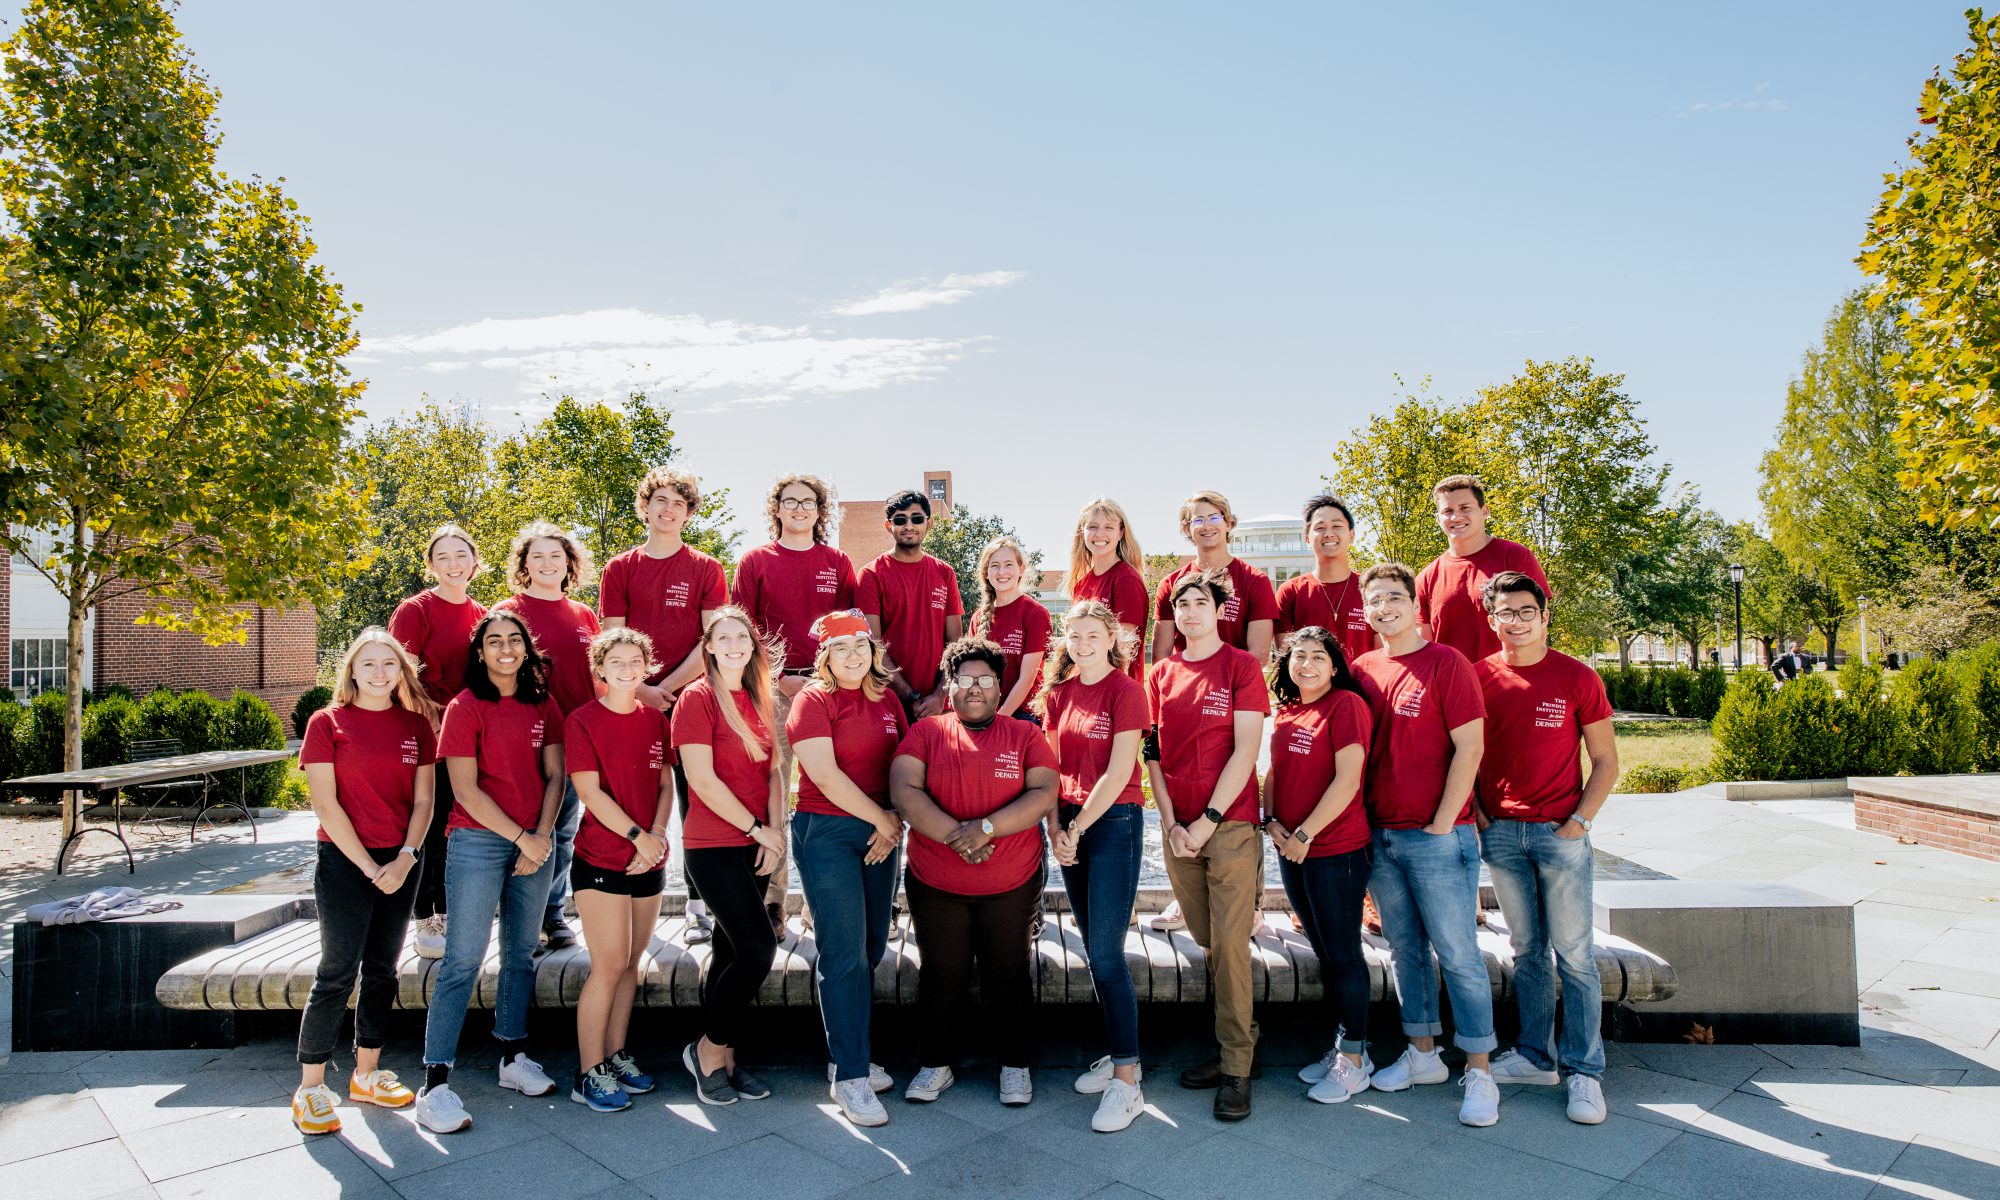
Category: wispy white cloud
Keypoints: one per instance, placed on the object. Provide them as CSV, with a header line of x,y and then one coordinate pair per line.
x,y
920,294
721,363
1758,101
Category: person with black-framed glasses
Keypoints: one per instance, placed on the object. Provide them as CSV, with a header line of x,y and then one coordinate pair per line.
x,y
912,604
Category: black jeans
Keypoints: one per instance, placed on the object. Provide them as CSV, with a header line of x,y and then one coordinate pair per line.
x,y
681,803
360,931
430,865
952,932
1326,893
741,953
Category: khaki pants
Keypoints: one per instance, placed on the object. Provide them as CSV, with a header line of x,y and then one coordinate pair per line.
x,y
1219,890
780,880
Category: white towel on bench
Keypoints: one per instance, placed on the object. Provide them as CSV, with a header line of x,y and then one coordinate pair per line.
x,y
104,904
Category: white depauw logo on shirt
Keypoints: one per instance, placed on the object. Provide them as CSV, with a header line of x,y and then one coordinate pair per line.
x,y
656,756
535,735
1552,713
1216,702
1231,608
1007,764
1300,739
938,597
409,752
1100,728
674,595
827,581
1411,702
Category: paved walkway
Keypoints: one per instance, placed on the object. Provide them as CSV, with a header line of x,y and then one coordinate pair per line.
x,y
1913,1111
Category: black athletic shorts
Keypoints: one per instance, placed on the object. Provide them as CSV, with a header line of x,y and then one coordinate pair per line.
x,y
585,878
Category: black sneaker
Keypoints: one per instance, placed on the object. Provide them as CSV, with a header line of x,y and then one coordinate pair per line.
x,y
748,1086
712,1088
1232,1099
557,935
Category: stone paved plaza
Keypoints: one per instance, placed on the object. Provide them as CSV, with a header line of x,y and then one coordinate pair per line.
x,y
1915,1110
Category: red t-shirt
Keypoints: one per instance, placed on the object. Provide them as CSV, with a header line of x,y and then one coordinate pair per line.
x,y
562,630
1082,719
437,633
1304,740
1303,600
663,598
1531,770
865,734
785,591
698,721
1124,589
1019,628
375,756
1251,599
1416,700
629,753
974,773
1195,705
1449,601
912,600
505,737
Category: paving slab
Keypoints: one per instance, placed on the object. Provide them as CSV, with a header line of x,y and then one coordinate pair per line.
x,y
1938,1167
1231,1166
1535,1121
1447,1166
545,1168
321,1168
991,1167
38,1125
102,1168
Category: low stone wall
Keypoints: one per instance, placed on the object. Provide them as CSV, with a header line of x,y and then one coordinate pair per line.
x,y
1960,813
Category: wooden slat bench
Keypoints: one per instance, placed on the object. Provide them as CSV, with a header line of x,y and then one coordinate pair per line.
x,y
274,971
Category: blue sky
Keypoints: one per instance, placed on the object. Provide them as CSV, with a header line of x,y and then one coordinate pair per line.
x,y
1070,249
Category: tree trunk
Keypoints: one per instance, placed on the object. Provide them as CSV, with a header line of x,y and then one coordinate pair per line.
x,y
1831,631
1625,650
72,756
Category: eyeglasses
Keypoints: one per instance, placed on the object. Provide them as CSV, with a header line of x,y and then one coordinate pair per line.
x,y
1509,616
1386,600
1215,519
792,504
902,519
976,681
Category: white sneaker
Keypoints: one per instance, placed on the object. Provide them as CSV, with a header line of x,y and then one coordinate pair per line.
x,y
930,1081
878,1079
526,1076
1316,1071
1513,1067
1586,1100
429,936
1016,1087
441,1111
1481,1105
1343,1082
1122,1104
1170,918
858,1103
1099,1077
1414,1066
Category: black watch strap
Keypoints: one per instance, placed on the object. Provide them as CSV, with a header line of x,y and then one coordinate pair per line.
x,y
632,834
1214,817
756,823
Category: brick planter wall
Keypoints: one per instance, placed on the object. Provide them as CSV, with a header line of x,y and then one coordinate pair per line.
x,y
1962,818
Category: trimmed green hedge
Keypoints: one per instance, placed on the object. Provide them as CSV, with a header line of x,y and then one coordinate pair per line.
x,y
31,734
1669,691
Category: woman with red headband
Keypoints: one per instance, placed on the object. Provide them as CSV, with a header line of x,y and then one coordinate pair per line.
x,y
844,727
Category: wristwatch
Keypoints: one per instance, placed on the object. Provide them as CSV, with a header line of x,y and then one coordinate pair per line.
x,y
409,850
1300,836
632,834
1214,817
1583,821
986,826
756,823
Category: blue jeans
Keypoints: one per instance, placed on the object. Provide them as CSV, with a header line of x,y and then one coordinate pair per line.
x,y
851,906
479,881
1427,889
569,814
1326,894
1543,882
1101,887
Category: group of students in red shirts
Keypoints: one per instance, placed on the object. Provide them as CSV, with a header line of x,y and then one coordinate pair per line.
x,y
1410,707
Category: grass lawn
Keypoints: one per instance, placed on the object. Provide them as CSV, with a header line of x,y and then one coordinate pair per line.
x,y
1668,742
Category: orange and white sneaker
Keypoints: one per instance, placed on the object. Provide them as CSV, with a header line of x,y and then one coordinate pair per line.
x,y
379,1087
312,1110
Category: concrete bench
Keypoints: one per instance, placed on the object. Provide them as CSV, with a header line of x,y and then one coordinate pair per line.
x,y
274,970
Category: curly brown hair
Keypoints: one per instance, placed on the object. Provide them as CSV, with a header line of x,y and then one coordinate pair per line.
x,y
822,494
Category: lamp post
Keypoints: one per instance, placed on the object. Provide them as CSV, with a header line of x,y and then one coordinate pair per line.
x,y
1736,581
1861,602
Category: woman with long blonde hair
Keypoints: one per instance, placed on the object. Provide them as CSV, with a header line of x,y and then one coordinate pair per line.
x,y
734,838
1105,564
369,762
1096,720
1014,621
845,727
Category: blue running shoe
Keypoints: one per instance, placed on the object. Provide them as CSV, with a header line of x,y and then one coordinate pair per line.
x,y
599,1090
630,1077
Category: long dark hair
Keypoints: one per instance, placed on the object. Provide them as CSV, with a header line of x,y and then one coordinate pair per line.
x,y
1286,689
532,684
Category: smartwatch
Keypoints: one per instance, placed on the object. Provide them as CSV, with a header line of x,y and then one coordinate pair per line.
x,y
986,826
1300,836
409,850
1214,817
756,823
632,834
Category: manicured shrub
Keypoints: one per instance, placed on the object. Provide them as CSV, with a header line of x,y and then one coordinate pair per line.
x,y
12,717
249,724
1811,738
1649,779
293,792
1671,689
314,699
104,725
1746,737
1978,673
1874,729
1938,722
1705,689
38,740
193,718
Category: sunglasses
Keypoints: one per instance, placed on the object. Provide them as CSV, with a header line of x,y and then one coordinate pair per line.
x,y
902,519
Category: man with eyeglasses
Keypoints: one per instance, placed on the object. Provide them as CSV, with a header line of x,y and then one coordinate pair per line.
x,y
912,604
1535,810
786,585
1449,593
1248,620
1423,760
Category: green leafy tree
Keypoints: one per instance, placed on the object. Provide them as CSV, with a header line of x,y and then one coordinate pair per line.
x,y
1935,614
1673,579
958,536
1932,244
1771,590
1385,470
170,351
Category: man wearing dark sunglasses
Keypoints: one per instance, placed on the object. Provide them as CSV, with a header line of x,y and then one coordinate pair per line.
x,y
912,604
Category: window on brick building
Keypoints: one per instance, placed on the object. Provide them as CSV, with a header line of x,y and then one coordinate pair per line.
x,y
38,665
35,544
